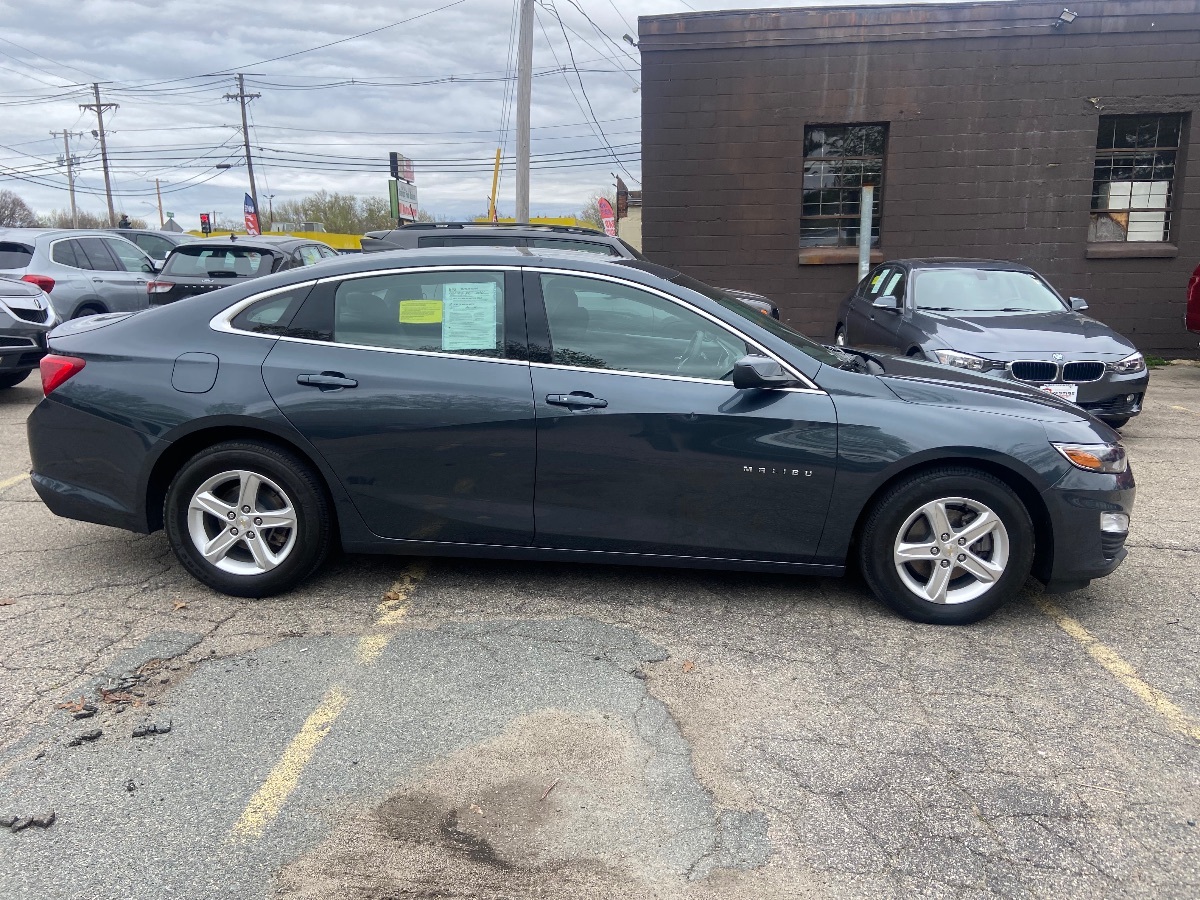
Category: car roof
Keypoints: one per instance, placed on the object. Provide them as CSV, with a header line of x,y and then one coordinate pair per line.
x,y
262,242
950,262
13,233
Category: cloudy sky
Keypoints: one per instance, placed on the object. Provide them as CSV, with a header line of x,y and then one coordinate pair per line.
x,y
433,82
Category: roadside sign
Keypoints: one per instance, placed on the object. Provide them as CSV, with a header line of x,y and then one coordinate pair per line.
x,y
403,197
250,211
607,216
401,167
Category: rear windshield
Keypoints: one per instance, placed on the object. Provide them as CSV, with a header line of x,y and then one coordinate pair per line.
x,y
218,262
14,256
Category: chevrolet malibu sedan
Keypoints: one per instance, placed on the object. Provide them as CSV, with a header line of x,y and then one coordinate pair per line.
x,y
499,402
998,318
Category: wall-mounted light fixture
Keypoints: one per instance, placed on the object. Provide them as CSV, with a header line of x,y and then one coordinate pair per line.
x,y
627,38
1066,17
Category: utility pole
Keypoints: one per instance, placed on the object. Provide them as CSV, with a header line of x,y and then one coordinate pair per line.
x,y
158,191
99,109
524,91
66,136
241,97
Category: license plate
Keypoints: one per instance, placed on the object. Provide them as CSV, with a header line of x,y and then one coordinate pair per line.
x,y
1066,391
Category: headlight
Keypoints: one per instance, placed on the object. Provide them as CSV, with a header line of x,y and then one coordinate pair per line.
x,y
1130,365
962,360
1109,458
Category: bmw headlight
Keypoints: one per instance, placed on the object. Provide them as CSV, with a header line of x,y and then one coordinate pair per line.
x,y
962,360
1130,365
1107,458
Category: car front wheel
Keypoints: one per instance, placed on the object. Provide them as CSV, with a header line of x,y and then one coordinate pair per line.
x,y
248,519
947,547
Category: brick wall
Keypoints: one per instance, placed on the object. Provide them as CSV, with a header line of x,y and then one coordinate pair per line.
x,y
992,135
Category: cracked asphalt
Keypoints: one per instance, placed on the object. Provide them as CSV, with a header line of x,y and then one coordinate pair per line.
x,y
476,729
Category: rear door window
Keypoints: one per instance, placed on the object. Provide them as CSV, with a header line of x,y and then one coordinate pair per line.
x,y
14,256
63,253
154,245
460,312
93,250
132,259
309,254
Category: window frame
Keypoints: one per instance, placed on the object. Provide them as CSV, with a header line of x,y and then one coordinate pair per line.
x,y
113,242
1170,211
324,289
874,244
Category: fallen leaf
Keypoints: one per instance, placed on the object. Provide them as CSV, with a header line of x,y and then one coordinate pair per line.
x,y
74,706
392,596
688,665
7,601
476,809
180,604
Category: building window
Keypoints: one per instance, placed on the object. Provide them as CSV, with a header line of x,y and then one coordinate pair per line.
x,y
1134,183
838,161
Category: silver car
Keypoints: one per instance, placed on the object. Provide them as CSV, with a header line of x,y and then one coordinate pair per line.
x,y
26,317
84,272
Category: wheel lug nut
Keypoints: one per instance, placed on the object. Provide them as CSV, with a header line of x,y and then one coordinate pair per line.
x,y
962,542
945,537
233,531
962,557
945,563
257,521
245,509
249,535
232,514
935,550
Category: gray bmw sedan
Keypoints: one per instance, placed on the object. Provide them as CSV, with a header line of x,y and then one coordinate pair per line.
x,y
997,318
514,404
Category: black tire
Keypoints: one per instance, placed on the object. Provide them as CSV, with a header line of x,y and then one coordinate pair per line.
x,y
886,525
287,479
88,309
12,379
1117,422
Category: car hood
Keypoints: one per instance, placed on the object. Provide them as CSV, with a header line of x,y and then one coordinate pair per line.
x,y
1010,336
917,381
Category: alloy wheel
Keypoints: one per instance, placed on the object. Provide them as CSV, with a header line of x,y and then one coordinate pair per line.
x,y
951,550
242,522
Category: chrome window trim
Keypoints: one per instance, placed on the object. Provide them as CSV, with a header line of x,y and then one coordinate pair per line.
x,y
54,243
222,322
798,375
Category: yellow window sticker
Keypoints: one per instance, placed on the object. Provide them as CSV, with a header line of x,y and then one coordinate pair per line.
x,y
875,281
420,312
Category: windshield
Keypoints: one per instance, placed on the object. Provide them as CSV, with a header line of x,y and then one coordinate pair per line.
x,y
217,262
777,328
982,291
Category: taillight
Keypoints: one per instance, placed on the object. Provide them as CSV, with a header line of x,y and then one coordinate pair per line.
x,y
56,370
45,282
159,287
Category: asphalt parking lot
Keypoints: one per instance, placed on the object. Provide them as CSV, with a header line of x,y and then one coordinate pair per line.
x,y
441,728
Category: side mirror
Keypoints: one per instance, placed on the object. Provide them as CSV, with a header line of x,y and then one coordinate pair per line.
x,y
759,372
888,302
150,267
1078,304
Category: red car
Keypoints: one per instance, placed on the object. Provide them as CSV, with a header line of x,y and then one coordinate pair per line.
x,y
1191,318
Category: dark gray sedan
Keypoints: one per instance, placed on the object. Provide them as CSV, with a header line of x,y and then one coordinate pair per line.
x,y
557,406
997,318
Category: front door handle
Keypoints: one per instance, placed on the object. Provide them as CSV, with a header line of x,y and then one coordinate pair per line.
x,y
327,381
578,399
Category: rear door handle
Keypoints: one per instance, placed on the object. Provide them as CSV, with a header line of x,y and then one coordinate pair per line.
x,y
586,401
327,381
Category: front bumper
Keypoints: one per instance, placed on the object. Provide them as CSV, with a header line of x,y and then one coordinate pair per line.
x,y
1081,549
1111,396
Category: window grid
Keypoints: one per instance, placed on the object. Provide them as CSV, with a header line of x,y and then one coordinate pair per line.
x,y
1133,184
838,161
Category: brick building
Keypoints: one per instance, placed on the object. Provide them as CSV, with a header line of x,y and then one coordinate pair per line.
x,y
996,129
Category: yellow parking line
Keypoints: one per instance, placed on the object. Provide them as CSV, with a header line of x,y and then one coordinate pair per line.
x,y
16,479
1181,408
268,800
1121,670
390,613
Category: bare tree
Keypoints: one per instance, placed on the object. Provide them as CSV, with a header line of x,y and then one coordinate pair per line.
x,y
15,212
590,214
61,218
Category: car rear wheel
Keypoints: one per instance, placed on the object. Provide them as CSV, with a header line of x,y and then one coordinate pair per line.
x,y
948,547
88,309
248,519
12,379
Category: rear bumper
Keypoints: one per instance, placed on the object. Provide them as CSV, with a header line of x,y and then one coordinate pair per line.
x,y
70,448
1082,551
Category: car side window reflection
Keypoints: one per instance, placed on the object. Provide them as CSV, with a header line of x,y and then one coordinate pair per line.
x,y
878,280
458,312
273,314
607,325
